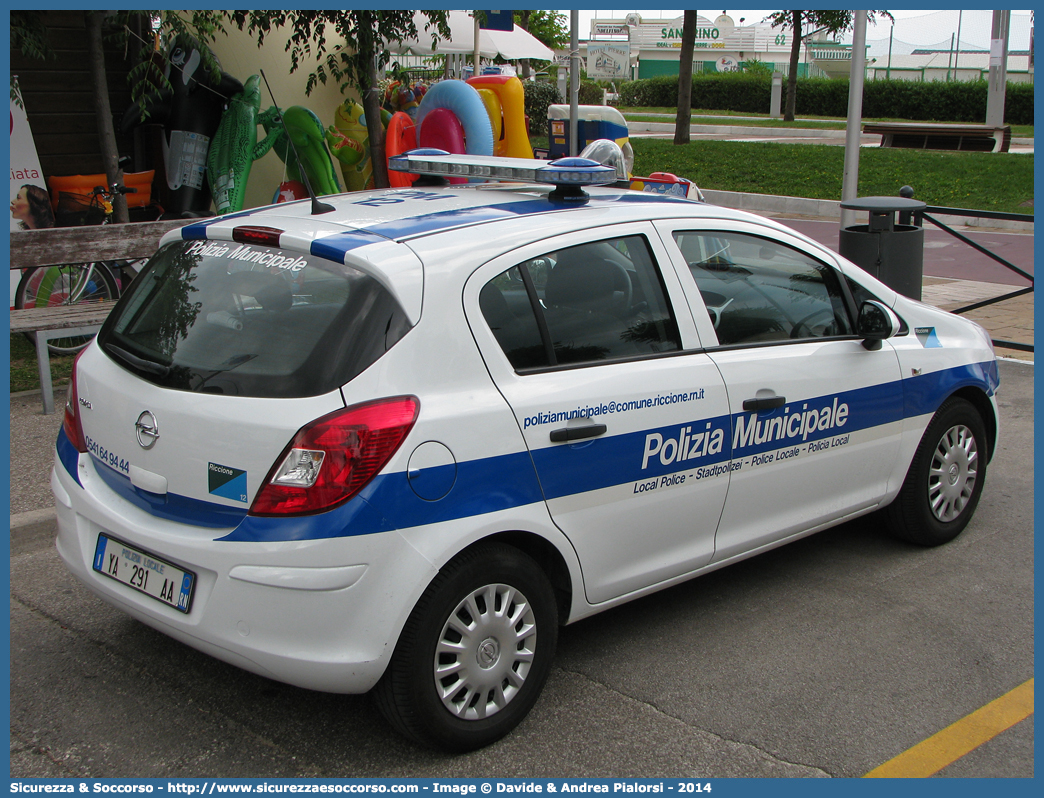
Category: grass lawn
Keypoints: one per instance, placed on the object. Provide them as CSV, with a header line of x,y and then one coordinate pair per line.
x,y
23,366
978,180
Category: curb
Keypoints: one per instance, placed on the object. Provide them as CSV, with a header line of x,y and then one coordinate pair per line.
x,y
33,531
20,521
738,130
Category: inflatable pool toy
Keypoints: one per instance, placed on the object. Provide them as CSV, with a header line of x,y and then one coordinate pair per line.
x,y
496,119
402,97
443,131
307,133
401,137
235,146
464,103
189,113
512,98
349,143
290,191
85,184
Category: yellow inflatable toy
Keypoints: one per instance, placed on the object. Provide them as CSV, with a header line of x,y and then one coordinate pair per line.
x,y
350,145
496,120
509,92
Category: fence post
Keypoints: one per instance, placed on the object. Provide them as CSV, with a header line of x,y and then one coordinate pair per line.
x,y
908,217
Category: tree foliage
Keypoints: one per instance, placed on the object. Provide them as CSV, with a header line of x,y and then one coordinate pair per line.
x,y
802,24
347,47
550,27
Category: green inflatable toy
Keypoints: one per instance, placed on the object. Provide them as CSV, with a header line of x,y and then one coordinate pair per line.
x,y
235,146
304,127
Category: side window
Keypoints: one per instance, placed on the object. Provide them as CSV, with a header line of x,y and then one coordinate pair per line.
x,y
757,290
594,302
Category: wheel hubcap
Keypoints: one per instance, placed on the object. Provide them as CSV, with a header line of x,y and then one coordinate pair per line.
x,y
953,473
485,651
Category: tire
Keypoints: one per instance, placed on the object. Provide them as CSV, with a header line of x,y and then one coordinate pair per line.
x,y
464,672
945,480
51,286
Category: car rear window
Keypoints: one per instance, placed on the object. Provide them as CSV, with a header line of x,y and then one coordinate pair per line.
x,y
238,319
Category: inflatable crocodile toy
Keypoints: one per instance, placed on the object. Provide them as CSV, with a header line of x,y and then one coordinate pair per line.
x,y
235,146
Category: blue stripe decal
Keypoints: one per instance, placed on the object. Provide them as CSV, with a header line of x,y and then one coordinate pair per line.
x,y
500,483
926,392
507,481
440,221
171,506
705,442
481,486
68,455
333,247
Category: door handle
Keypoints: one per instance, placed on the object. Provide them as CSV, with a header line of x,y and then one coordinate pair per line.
x,y
764,403
577,433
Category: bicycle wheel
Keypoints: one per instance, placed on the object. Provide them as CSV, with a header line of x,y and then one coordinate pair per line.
x,y
68,284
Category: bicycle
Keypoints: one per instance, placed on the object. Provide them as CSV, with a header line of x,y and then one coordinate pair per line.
x,y
76,283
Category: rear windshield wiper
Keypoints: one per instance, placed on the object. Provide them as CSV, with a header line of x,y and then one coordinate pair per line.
x,y
139,363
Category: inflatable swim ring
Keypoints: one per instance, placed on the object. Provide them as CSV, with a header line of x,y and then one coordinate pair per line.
x,y
443,131
465,104
512,97
401,137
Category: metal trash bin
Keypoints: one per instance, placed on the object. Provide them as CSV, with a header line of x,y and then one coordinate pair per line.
x,y
893,253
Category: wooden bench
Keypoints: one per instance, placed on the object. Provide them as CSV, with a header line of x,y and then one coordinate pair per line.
x,y
31,248
978,138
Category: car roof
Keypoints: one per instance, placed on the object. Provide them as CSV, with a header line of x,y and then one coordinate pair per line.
x,y
404,214
373,230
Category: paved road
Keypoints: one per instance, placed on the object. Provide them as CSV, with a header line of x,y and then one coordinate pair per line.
x,y
824,658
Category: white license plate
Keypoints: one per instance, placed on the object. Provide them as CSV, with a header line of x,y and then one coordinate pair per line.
x,y
144,572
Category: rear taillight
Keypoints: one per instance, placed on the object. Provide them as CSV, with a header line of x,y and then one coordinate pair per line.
x,y
334,457
71,424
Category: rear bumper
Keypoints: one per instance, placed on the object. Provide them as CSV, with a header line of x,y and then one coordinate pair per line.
x,y
319,614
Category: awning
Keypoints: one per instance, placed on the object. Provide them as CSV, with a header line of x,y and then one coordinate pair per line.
x,y
510,45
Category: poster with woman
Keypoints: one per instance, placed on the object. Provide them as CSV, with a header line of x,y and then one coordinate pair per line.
x,y
30,203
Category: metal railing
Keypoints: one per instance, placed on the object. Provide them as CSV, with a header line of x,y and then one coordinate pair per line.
x,y
920,217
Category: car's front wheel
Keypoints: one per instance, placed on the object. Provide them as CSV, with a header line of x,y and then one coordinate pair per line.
x,y
475,652
945,480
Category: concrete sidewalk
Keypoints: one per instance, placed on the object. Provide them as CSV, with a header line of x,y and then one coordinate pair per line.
x,y
721,129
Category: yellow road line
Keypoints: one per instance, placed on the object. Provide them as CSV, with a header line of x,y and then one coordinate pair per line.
x,y
958,739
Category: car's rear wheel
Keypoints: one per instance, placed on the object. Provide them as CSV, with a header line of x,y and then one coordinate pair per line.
x,y
945,480
475,652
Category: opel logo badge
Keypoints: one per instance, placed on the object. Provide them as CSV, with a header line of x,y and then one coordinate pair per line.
x,y
146,429
488,653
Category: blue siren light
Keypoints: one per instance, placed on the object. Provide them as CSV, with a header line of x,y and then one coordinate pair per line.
x,y
563,173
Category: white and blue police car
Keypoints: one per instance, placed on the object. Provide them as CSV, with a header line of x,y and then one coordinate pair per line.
x,y
396,444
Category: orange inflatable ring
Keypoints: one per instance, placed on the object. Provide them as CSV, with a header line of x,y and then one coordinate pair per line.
x,y
401,137
512,98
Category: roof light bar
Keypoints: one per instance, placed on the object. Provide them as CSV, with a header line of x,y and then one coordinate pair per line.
x,y
565,172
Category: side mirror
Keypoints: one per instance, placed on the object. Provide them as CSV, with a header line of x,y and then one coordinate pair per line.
x,y
876,323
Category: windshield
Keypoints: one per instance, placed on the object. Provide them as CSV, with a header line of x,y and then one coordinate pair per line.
x,y
227,318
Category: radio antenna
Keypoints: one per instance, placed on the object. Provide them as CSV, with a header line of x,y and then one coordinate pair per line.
x,y
317,206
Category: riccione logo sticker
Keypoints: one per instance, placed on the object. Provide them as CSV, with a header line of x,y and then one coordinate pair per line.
x,y
928,338
227,482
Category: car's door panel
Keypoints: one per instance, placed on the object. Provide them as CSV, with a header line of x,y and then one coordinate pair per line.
x,y
816,417
632,498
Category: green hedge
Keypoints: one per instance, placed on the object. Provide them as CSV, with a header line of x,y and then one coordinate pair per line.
x,y
889,99
539,95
